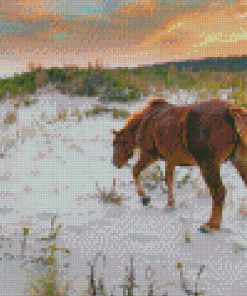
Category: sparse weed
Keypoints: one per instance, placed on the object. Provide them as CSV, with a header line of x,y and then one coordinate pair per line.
x,y
185,180
27,101
187,236
11,118
62,114
111,196
243,208
46,279
97,109
152,176
184,285
77,114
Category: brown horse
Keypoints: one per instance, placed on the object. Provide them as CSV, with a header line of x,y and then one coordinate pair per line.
x,y
203,134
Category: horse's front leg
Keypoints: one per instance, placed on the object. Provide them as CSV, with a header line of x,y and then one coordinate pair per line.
x,y
169,173
144,161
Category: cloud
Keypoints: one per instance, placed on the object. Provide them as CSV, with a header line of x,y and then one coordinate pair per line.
x,y
90,9
139,7
141,27
60,36
214,28
31,11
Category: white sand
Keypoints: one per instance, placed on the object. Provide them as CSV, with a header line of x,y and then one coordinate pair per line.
x,y
54,172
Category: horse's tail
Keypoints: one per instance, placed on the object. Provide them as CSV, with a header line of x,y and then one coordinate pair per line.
x,y
239,114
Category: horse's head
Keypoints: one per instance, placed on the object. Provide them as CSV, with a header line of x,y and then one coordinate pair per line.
x,y
122,147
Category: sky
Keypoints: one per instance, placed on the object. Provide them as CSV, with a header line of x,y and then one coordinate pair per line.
x,y
118,33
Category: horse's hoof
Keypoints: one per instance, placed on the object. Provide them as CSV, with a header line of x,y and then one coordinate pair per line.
x,y
146,201
170,205
208,229
205,229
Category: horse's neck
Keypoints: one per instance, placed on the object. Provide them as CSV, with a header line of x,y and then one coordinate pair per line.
x,y
139,120
142,120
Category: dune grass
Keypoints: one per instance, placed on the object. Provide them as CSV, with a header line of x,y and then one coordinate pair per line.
x,y
124,84
43,279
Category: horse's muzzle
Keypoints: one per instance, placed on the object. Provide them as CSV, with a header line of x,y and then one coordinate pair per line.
x,y
115,163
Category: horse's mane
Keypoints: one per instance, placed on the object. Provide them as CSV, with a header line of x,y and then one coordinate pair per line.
x,y
142,115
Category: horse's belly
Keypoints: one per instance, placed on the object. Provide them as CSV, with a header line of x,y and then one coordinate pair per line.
x,y
180,158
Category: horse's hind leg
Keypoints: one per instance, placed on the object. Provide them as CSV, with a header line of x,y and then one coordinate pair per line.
x,y
211,173
169,172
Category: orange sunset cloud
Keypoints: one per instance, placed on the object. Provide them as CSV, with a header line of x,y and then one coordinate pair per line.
x,y
27,10
213,29
139,7
140,32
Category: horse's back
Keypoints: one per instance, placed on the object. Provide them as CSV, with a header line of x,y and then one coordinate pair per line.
x,y
204,129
